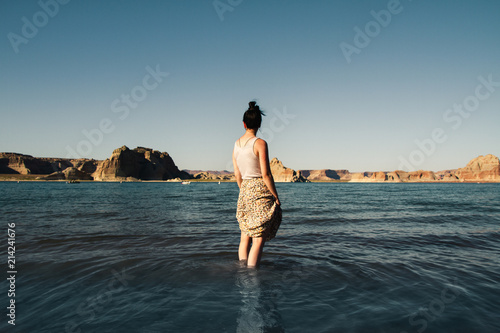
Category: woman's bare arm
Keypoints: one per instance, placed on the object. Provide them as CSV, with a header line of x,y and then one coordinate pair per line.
x,y
262,152
237,172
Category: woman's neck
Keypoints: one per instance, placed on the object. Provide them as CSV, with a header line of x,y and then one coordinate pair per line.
x,y
251,132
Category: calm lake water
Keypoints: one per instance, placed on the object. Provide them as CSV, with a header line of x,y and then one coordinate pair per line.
x,y
162,257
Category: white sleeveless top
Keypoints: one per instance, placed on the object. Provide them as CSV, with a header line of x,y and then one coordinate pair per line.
x,y
247,161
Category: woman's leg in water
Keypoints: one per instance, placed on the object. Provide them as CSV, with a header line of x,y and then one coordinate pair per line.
x,y
256,252
244,247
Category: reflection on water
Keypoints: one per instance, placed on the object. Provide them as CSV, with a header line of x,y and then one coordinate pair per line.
x,y
259,311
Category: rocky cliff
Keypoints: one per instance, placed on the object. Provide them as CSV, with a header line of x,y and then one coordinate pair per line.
x,y
481,168
124,164
12,163
282,174
207,175
148,164
326,174
397,176
447,175
70,173
138,164
362,177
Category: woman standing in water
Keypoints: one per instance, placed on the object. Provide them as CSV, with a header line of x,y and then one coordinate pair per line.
x,y
259,208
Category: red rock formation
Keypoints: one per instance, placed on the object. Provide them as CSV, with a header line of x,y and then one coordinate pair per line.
x,y
207,175
482,168
147,164
284,174
140,163
70,173
86,165
361,177
379,176
326,174
447,175
12,163
344,174
394,176
421,176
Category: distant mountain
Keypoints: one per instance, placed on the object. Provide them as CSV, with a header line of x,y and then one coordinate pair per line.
x,y
13,163
124,164
217,173
148,164
482,168
326,174
284,174
138,164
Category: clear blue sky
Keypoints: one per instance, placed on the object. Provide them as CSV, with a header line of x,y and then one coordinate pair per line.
x,y
75,72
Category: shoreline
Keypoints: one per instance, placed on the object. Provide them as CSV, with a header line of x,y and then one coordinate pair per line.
x,y
32,178
141,163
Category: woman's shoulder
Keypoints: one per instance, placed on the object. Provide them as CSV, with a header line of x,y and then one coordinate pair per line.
x,y
261,141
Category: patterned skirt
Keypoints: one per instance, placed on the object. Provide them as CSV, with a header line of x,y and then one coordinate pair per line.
x,y
258,214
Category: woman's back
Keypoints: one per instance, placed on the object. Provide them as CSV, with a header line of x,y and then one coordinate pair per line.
x,y
248,162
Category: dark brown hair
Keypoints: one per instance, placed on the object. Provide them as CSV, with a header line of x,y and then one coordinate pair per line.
x,y
253,116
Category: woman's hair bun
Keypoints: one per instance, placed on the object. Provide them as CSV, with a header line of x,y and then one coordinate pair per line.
x,y
253,116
